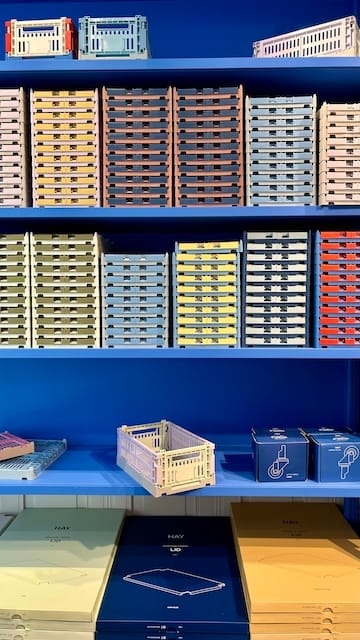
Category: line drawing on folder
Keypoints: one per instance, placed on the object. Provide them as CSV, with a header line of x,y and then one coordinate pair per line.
x,y
176,582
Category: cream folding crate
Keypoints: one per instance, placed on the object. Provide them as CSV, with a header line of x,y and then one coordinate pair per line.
x,y
165,458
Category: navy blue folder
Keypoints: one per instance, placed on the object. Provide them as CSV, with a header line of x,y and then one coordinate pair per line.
x,y
173,577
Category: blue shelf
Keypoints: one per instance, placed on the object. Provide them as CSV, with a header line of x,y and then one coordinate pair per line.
x,y
93,471
179,214
327,77
174,353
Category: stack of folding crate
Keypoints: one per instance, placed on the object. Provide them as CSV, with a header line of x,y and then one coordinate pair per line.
x,y
65,143
339,154
276,288
208,146
299,580
207,294
135,300
15,314
339,288
65,290
137,147
13,157
280,145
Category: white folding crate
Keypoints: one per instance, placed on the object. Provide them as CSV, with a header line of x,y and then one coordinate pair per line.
x,y
165,458
335,38
40,38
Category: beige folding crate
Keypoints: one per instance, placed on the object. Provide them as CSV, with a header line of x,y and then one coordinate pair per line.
x,y
165,458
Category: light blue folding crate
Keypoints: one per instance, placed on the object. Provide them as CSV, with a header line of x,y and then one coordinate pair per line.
x,y
114,37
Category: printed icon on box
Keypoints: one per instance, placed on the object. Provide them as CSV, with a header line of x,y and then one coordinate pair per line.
x,y
351,454
276,469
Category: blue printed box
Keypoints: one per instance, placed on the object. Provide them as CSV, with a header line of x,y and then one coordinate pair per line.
x,y
335,457
280,456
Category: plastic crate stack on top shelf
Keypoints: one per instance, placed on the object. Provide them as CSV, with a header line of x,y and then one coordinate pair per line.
x,y
65,143
13,156
65,290
207,294
113,37
335,38
15,314
281,150
137,147
208,146
276,289
339,154
338,254
135,300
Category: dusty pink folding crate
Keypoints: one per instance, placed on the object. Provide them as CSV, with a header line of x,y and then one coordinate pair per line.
x,y
165,458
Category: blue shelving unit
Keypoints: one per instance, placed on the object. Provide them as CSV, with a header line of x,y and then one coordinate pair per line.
x,y
84,395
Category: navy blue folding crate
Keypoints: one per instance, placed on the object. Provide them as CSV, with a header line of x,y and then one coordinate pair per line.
x,y
206,91
214,135
125,201
201,189
144,147
214,179
221,200
201,146
229,125
163,564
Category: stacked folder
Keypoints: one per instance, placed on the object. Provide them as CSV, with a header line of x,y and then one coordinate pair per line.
x,y
300,568
174,577
54,567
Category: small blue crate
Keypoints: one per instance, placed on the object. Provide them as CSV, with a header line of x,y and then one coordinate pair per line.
x,y
114,37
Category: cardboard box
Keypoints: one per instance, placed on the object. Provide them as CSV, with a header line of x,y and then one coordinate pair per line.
x,y
303,560
280,456
335,457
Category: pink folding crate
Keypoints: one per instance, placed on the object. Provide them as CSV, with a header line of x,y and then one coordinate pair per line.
x,y
165,458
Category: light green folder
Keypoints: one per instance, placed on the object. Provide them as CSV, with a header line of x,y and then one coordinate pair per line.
x,y
54,565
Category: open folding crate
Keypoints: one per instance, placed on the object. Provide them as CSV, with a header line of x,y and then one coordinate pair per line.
x,y
165,458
